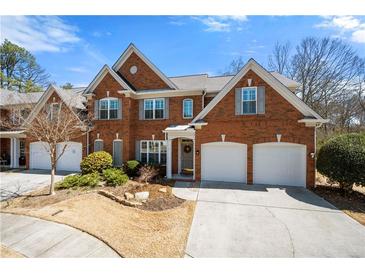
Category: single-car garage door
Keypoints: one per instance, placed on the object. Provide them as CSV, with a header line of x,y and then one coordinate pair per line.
x,y
279,164
71,158
224,161
39,156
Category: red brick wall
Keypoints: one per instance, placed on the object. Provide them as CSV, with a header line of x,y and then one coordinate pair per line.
x,y
145,78
5,147
280,117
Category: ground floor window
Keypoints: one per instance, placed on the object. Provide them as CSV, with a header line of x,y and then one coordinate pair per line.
x,y
153,152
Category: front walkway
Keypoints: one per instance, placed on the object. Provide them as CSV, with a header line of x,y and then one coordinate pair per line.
x,y
237,220
36,238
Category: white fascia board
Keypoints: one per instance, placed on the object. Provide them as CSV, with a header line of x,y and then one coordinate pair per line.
x,y
268,78
132,48
313,122
100,76
160,93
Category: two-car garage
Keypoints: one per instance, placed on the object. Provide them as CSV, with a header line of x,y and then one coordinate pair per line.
x,y
69,161
273,163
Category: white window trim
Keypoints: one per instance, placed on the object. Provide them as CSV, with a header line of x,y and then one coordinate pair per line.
x,y
154,108
108,99
192,108
148,149
242,89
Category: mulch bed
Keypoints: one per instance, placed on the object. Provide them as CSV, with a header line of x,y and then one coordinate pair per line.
x,y
352,204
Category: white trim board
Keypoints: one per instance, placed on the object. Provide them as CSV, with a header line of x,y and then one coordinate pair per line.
x,y
268,78
132,48
100,76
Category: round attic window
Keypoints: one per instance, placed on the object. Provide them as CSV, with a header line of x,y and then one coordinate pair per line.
x,y
133,69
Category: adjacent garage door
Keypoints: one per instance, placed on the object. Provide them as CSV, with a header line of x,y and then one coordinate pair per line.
x,y
71,158
39,156
69,161
279,164
224,161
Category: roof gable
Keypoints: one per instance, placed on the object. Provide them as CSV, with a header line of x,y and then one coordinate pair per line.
x,y
268,78
133,51
100,76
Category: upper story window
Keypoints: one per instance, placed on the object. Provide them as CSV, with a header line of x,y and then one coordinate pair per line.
x,y
154,108
54,109
249,100
188,108
109,108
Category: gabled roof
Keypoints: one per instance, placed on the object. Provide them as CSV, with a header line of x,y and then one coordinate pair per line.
x,y
100,76
10,97
268,78
133,49
71,97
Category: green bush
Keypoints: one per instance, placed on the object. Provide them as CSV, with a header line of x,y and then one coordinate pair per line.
x,y
96,162
90,180
342,159
69,182
114,177
131,168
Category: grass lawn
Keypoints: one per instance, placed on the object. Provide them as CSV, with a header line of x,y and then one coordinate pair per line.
x,y
352,204
159,228
9,253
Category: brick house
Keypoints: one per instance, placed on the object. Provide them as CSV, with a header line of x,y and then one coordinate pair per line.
x,y
248,128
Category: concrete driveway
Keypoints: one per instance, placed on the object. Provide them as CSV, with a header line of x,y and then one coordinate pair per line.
x,y
233,220
14,182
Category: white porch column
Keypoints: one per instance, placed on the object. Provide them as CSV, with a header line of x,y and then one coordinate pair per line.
x,y
169,159
16,152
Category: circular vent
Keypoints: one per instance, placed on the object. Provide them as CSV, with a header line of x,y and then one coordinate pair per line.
x,y
133,69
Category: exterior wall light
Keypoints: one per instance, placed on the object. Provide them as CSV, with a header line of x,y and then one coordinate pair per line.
x,y
197,152
223,136
153,137
278,137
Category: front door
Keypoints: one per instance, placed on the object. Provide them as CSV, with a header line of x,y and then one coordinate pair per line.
x,y
186,156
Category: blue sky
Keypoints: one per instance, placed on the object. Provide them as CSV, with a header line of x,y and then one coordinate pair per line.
x,y
74,48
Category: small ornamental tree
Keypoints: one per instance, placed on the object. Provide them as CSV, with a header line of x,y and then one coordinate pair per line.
x,y
342,159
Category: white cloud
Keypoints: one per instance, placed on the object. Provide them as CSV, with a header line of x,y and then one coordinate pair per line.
x,y
39,33
345,27
99,34
222,23
77,69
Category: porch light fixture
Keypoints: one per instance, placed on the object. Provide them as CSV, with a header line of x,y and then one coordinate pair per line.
x,y
153,137
197,152
116,135
249,82
107,94
278,137
97,135
223,136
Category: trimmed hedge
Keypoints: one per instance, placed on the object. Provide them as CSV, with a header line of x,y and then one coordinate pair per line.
x,y
342,159
114,177
96,162
74,181
131,168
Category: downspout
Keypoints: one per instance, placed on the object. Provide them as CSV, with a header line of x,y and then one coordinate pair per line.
x,y
87,141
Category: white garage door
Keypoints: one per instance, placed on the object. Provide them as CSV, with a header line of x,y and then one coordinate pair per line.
x,y
39,156
224,161
279,164
71,158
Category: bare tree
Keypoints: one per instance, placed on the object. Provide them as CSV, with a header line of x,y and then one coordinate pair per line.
x,y
234,67
280,59
54,125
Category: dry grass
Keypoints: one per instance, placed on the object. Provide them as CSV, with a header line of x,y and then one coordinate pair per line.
x,y
6,252
130,231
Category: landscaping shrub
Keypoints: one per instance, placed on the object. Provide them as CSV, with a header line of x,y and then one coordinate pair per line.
x,y
91,180
96,162
69,182
114,177
147,173
342,159
131,168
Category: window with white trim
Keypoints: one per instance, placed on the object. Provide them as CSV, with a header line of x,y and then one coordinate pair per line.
x,y
249,100
187,108
108,108
154,108
153,152
54,109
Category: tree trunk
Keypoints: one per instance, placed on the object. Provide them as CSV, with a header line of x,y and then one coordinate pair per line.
x,y
51,187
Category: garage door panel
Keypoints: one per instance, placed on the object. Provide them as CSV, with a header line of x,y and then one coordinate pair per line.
x,y
71,158
39,156
224,161
279,164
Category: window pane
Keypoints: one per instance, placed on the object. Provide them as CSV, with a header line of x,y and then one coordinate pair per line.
x,y
103,104
249,107
148,114
163,159
113,114
144,147
153,146
144,158
153,158
159,113
188,108
114,104
163,147
103,114
160,104
148,104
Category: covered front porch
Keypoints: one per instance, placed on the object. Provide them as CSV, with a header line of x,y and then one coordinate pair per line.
x,y
12,149
180,156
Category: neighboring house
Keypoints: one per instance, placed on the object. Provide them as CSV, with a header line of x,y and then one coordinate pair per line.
x,y
248,128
